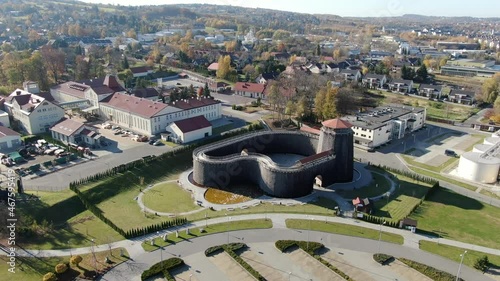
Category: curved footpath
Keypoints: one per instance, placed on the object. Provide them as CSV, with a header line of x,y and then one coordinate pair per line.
x,y
142,260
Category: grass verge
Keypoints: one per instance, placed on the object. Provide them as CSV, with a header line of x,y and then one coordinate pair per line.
x,y
429,271
453,253
343,229
33,268
209,229
378,186
457,217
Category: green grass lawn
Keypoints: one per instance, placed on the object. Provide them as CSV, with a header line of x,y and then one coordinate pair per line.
x,y
169,198
410,160
222,129
322,206
457,217
68,223
33,269
343,229
370,190
405,197
489,193
453,253
210,229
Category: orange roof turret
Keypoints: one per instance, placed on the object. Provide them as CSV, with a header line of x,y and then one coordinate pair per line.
x,y
337,123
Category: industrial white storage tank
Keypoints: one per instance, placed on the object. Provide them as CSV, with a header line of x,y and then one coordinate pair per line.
x,y
481,148
476,168
491,140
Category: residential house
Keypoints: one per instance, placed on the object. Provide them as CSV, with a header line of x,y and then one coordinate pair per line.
x,y
32,113
70,131
430,91
383,124
141,71
149,118
401,85
264,78
87,94
190,129
350,75
378,55
251,90
218,86
461,96
374,81
147,93
213,67
9,139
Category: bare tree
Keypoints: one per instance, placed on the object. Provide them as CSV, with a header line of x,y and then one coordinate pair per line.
x,y
54,61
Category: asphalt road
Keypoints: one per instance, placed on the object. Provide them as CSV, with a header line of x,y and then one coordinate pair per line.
x,y
132,269
61,179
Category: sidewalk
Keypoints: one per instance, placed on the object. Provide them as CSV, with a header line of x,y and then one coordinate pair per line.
x,y
134,248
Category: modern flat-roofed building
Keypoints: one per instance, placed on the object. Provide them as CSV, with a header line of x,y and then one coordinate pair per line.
x,y
383,124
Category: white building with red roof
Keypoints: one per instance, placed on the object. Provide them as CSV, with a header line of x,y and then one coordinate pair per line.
x,y
251,90
32,113
190,129
149,118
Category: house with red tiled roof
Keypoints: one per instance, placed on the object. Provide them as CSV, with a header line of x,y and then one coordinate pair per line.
x,y
213,67
149,117
251,90
191,129
86,94
141,71
32,113
70,131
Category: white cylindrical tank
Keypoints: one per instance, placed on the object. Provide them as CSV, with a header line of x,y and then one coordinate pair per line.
x,y
475,168
491,140
481,148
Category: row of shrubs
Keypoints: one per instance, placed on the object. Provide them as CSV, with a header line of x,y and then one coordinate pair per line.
x,y
60,268
133,232
395,224
163,267
429,271
408,174
230,250
311,248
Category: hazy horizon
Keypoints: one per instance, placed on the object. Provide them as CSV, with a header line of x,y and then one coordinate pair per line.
x,y
348,8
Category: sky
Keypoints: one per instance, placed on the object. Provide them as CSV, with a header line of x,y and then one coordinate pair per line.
x,y
356,8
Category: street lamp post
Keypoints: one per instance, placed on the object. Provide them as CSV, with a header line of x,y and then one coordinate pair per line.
x,y
190,275
308,232
380,236
460,265
161,248
289,275
228,219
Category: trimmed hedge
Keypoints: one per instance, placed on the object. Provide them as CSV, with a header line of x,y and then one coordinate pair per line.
x,y
310,247
429,271
162,268
383,259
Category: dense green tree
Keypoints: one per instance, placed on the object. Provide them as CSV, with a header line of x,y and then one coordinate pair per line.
x,y
422,73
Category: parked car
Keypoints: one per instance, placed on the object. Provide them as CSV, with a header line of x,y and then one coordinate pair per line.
x,y
449,152
157,143
152,141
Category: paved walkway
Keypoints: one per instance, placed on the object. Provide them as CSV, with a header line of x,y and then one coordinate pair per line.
x,y
134,245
